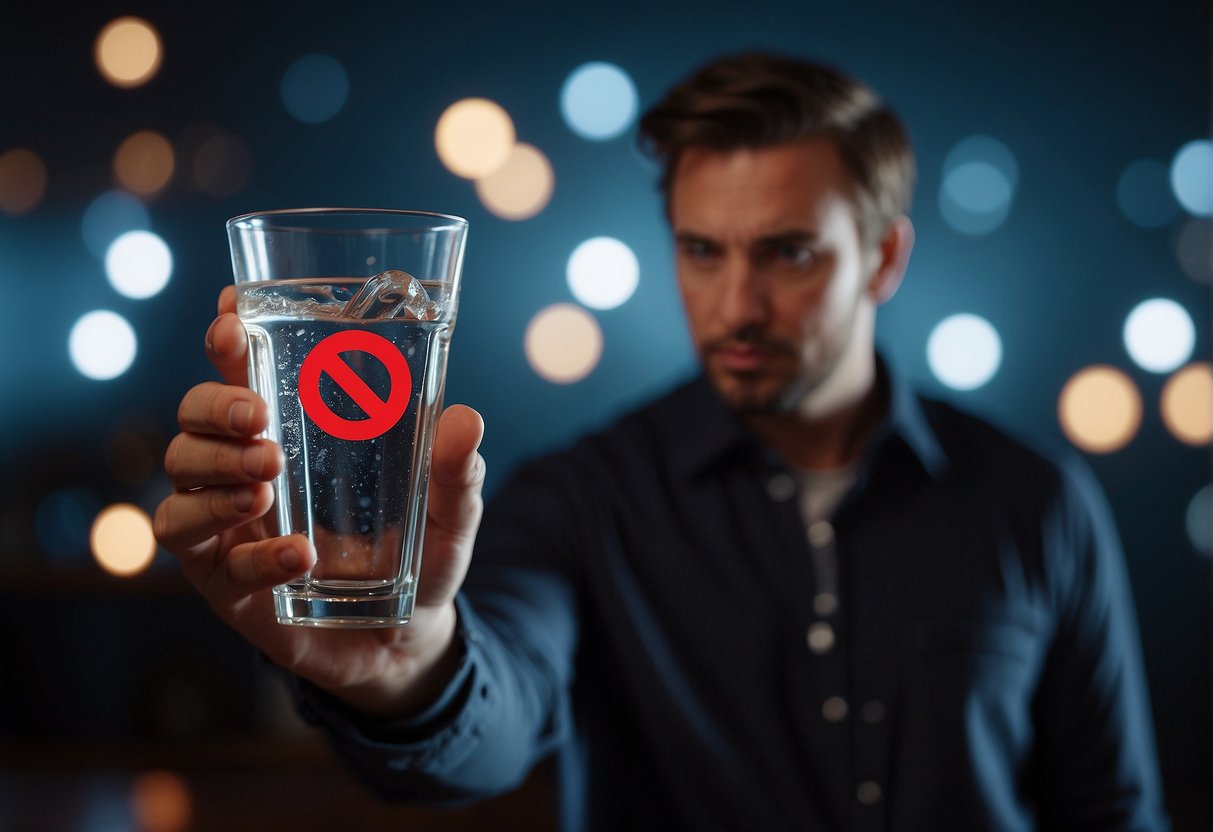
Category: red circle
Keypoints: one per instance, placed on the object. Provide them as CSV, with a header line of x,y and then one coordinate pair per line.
x,y
382,415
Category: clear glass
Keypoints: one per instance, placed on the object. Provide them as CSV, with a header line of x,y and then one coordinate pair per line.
x,y
349,314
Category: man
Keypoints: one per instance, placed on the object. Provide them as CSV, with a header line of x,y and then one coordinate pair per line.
x,y
788,595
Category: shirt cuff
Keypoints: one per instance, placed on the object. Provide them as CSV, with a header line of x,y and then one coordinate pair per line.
x,y
436,737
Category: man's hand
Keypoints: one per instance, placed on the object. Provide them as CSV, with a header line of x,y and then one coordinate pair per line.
x,y
217,523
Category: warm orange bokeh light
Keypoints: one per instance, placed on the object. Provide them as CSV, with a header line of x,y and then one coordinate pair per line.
x,y
563,343
160,802
1187,404
128,52
222,164
1100,409
474,137
144,163
122,540
22,181
521,187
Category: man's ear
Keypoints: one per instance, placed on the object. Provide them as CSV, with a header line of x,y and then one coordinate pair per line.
x,y
894,251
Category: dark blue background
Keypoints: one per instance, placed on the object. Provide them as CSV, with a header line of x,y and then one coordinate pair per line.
x,y
1077,90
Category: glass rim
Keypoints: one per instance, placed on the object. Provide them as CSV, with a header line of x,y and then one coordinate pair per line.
x,y
242,220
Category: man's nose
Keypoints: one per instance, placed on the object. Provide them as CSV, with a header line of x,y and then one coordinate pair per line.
x,y
743,295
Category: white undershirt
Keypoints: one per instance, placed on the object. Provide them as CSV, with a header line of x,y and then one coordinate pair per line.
x,y
821,491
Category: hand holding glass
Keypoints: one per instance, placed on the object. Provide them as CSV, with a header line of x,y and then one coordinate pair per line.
x,y
349,314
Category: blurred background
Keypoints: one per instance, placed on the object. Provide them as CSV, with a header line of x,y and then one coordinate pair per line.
x,y
1060,286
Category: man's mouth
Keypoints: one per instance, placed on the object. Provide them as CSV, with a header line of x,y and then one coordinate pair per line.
x,y
745,356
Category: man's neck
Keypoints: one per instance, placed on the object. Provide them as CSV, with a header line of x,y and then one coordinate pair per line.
x,y
824,442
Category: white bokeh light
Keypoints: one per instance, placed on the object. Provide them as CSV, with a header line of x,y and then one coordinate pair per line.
x,y
603,273
102,345
964,351
138,264
1191,172
598,101
1159,335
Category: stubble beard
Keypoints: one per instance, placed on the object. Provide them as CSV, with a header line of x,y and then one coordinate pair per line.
x,y
745,395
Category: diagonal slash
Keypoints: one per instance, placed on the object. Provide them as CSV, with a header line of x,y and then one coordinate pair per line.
x,y
354,386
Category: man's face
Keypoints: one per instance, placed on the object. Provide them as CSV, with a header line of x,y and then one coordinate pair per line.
x,y
771,269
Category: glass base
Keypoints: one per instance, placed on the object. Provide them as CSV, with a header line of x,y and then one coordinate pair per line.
x,y
311,606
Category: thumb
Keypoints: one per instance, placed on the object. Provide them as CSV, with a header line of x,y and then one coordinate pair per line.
x,y
455,504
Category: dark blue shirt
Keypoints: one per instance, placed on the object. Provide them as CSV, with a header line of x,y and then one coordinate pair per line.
x,y
647,607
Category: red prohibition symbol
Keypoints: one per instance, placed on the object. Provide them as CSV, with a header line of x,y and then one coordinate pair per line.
x,y
382,415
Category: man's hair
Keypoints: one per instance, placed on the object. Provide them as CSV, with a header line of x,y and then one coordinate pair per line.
x,y
757,100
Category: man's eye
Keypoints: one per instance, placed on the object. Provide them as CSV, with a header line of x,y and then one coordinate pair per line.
x,y
697,249
793,254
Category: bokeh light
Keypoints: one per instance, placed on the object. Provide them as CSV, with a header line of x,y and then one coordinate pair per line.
x,y
1194,250
474,137
1144,195
22,181
102,345
1187,404
161,802
144,163
108,217
964,351
138,264
598,101
602,273
122,540
1100,409
1198,518
521,187
1159,335
563,343
128,52
314,88
222,163
1192,177
980,176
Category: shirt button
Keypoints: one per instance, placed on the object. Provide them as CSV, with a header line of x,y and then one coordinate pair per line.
x,y
781,487
825,603
834,709
821,637
872,711
821,534
868,793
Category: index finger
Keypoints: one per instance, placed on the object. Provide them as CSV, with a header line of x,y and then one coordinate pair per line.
x,y
227,299
227,348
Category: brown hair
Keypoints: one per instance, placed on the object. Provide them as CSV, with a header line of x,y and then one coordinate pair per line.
x,y
757,100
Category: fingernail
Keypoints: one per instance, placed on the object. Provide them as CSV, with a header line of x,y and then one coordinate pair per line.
x,y
288,558
253,460
210,338
242,500
240,416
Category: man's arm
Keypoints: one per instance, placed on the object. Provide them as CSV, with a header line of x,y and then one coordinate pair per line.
x,y
1093,712
507,704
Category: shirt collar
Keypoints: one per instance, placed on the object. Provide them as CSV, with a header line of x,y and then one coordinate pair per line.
x,y
701,431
